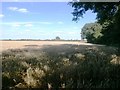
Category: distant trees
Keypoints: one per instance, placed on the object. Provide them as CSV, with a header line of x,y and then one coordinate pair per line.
x,y
91,32
57,38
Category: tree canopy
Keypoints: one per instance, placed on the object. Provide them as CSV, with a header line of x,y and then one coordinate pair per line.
x,y
57,38
105,11
108,15
91,32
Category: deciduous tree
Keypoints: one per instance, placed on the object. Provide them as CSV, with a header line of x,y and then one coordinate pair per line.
x,y
108,15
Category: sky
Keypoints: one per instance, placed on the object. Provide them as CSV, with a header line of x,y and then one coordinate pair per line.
x,y
41,20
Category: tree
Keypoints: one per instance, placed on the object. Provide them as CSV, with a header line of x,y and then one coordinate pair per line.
x,y
57,38
108,15
105,11
91,32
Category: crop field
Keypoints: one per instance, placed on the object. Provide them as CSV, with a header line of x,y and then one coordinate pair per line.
x,y
59,64
36,44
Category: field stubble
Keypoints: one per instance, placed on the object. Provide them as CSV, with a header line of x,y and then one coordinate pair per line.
x,y
56,64
35,44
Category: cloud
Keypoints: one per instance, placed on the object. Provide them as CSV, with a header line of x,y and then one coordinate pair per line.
x,y
45,22
28,25
16,25
13,8
60,22
1,15
22,10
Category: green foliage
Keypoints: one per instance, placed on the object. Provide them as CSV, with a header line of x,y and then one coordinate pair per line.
x,y
111,30
91,32
106,12
57,38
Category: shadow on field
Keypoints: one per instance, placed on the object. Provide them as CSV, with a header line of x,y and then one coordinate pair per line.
x,y
61,66
71,49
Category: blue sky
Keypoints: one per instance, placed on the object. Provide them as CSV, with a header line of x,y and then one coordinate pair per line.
x,y
40,20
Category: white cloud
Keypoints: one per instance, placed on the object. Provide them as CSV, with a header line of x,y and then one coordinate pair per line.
x,y
28,25
13,8
45,22
22,10
60,22
1,15
16,25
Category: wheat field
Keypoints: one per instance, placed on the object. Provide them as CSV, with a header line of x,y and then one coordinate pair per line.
x,y
59,64
36,44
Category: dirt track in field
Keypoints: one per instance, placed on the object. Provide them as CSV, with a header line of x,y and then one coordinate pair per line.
x,y
4,45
